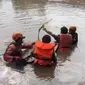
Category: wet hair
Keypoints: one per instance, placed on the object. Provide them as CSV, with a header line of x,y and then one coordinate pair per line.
x,y
64,30
46,39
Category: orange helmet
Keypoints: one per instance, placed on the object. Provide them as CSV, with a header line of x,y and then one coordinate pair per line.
x,y
17,35
72,28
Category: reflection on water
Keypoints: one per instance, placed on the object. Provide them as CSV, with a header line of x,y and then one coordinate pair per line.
x,y
44,72
64,54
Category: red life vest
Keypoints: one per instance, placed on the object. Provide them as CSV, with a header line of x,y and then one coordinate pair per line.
x,y
43,53
65,40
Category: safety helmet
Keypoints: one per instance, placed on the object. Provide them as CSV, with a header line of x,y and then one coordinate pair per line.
x,y
72,28
17,35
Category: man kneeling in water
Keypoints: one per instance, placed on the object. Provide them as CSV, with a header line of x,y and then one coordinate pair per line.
x,y
44,52
13,52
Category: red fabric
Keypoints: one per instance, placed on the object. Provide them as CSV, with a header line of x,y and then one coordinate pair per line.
x,y
65,40
42,62
64,50
9,58
27,46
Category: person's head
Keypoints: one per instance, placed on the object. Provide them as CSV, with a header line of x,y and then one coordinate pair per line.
x,y
64,30
72,29
46,39
17,37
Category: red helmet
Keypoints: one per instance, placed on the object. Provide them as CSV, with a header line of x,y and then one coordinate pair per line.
x,y
72,28
17,35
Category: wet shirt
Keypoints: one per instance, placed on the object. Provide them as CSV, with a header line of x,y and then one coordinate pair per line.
x,y
74,38
13,50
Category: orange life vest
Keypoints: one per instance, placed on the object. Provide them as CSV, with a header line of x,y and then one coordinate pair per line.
x,y
43,53
65,40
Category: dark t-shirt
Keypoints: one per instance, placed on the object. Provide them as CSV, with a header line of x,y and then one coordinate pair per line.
x,y
74,38
57,38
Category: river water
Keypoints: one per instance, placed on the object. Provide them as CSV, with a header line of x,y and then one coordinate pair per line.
x,y
26,16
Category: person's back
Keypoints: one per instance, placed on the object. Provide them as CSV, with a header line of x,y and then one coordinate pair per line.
x,y
43,51
65,39
72,31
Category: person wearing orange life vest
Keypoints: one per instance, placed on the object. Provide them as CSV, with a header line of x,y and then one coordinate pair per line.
x,y
72,31
13,52
44,52
64,39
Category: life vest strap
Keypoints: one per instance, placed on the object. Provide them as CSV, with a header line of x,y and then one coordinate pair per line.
x,y
42,58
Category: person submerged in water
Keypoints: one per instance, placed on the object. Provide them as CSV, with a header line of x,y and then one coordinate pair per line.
x,y
14,52
44,52
64,39
72,31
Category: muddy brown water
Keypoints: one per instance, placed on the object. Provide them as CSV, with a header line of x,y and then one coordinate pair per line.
x,y
26,16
